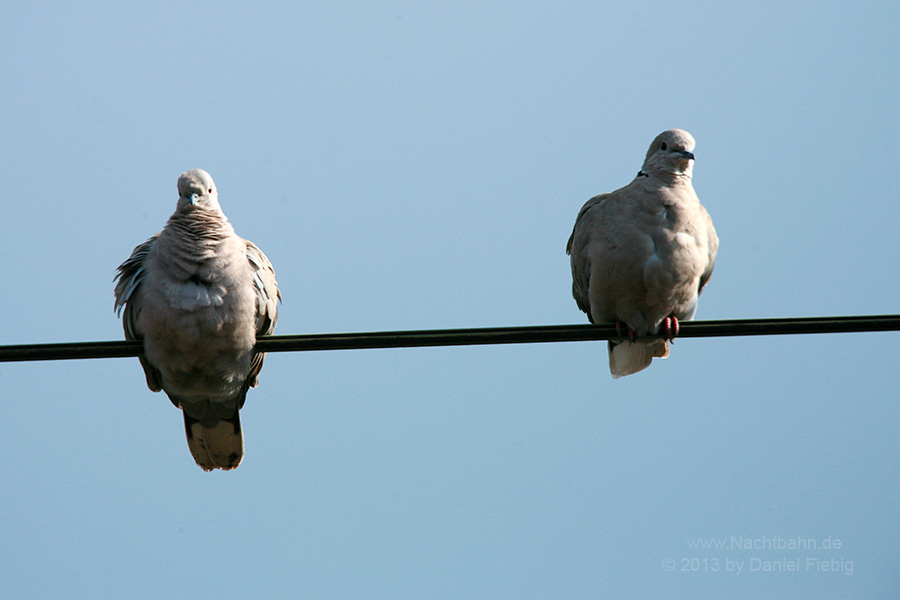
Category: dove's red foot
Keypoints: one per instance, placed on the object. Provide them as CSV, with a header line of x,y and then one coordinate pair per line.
x,y
670,324
623,326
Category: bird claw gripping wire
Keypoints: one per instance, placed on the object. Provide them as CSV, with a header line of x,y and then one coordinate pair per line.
x,y
671,327
623,326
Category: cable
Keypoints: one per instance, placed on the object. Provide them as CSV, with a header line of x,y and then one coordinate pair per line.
x,y
470,337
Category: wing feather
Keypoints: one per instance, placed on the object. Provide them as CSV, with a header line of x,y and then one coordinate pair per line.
x,y
580,259
129,277
267,298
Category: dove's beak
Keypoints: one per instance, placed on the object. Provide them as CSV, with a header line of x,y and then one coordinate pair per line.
x,y
194,199
687,155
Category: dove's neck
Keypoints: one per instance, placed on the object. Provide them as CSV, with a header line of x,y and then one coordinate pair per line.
x,y
193,238
667,177
200,225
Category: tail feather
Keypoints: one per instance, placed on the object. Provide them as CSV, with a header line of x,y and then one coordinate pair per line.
x,y
215,444
626,358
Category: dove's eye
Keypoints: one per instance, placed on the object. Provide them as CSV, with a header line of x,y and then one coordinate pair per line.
x,y
209,191
663,146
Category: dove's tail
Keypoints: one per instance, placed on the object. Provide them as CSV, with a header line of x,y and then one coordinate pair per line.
x,y
626,358
216,444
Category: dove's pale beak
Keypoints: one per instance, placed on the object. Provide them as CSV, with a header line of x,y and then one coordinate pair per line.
x,y
194,199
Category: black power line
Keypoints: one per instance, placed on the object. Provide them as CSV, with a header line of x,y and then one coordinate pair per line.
x,y
471,337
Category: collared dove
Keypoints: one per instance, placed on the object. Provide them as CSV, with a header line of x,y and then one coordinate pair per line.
x,y
642,254
198,296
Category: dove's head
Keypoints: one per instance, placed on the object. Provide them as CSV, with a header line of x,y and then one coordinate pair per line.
x,y
197,188
670,155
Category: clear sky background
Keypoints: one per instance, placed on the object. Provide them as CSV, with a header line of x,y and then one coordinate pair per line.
x,y
413,165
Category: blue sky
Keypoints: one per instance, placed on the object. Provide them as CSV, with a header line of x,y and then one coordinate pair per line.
x,y
420,165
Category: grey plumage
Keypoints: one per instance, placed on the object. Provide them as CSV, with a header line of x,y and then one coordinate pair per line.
x,y
643,253
198,296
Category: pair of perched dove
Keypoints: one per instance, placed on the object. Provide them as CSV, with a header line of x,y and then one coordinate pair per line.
x,y
198,295
642,254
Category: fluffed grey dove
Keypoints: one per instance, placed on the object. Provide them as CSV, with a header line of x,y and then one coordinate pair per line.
x,y
198,296
642,254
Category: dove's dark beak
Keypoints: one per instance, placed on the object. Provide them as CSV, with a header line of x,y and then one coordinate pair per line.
x,y
687,155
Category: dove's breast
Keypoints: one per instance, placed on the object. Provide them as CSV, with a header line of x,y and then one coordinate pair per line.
x,y
198,318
